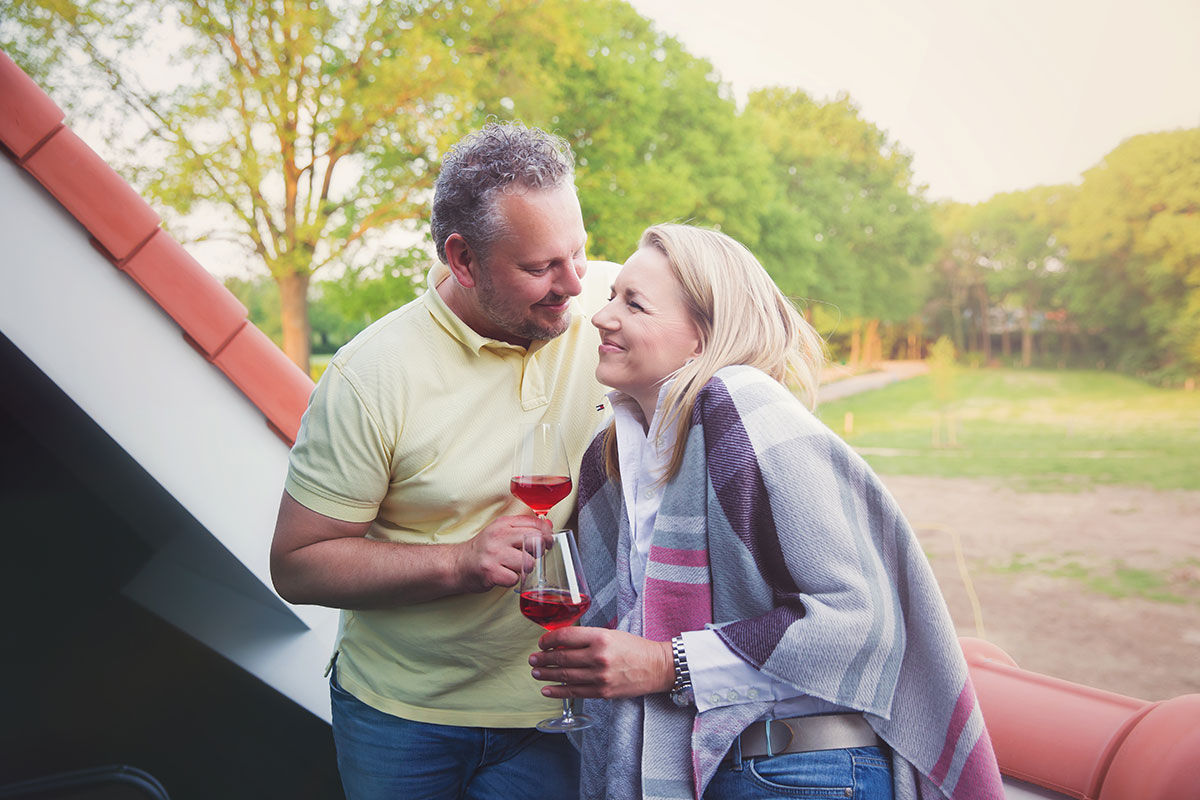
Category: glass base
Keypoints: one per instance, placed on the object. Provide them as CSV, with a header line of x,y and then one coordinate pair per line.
x,y
575,722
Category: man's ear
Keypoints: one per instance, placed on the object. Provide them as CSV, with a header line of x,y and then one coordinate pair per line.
x,y
461,260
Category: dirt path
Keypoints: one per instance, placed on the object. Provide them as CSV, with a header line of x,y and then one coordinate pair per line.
x,y
838,382
1100,587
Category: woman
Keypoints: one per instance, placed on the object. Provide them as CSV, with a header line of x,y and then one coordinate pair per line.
x,y
731,539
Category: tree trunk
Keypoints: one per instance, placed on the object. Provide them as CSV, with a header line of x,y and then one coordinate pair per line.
x,y
956,304
872,346
915,332
1006,343
985,328
1027,338
855,342
293,314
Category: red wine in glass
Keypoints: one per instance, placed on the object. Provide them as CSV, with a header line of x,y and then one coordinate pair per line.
x,y
541,476
554,594
553,608
540,492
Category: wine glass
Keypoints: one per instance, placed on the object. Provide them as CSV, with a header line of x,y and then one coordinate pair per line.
x,y
540,476
554,594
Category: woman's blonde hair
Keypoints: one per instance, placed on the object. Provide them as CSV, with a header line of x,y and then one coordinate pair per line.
x,y
742,318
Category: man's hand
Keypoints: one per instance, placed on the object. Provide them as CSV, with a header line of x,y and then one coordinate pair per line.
x,y
320,560
597,662
495,555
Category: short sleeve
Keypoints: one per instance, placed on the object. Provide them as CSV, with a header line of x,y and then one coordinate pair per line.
x,y
340,465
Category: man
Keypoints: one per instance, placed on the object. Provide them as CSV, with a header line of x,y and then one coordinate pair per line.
x,y
396,507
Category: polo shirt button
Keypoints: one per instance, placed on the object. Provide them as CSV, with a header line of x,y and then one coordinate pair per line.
x,y
752,694
716,698
733,695
648,494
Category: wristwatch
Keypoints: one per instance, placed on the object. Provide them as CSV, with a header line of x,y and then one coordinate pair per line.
x,y
682,694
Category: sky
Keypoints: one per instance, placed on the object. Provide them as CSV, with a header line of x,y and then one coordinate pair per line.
x,y
987,95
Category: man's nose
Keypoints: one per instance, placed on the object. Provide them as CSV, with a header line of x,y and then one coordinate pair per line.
x,y
569,283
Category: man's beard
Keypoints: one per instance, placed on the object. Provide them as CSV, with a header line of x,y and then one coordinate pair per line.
x,y
514,319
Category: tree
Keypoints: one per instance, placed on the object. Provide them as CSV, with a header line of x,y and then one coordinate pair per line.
x,y
310,131
657,137
354,300
1133,239
956,271
1021,253
849,226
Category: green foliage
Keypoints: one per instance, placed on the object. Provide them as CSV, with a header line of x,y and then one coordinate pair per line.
x,y
847,226
338,309
343,307
1134,243
310,134
308,129
1039,429
1106,273
260,296
656,136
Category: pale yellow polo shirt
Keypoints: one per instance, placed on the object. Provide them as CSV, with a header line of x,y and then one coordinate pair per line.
x,y
412,427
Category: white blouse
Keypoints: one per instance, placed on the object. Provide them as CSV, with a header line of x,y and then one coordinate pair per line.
x,y
719,676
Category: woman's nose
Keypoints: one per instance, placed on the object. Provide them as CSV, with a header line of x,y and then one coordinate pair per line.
x,y
602,318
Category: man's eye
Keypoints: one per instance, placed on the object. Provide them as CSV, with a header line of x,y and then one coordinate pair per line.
x,y
635,306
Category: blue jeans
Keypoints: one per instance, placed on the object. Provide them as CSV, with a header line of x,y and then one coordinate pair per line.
x,y
861,773
384,757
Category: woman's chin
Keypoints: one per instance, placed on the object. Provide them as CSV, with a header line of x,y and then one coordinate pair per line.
x,y
612,379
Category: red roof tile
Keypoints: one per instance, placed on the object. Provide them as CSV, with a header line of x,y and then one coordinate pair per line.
x,y
1084,742
204,308
93,192
127,230
27,114
1161,756
260,369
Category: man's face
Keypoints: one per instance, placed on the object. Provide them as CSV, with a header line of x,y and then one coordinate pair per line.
x,y
532,271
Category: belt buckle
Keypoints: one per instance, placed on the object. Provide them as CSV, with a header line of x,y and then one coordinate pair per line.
x,y
767,733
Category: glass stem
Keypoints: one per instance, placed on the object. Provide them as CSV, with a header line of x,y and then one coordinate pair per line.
x,y
567,713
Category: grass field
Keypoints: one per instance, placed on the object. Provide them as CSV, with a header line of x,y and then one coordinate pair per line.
x,y
1041,430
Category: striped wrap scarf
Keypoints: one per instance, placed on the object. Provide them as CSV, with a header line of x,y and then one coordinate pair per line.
x,y
778,536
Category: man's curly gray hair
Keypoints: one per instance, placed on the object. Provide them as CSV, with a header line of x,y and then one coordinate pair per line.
x,y
500,158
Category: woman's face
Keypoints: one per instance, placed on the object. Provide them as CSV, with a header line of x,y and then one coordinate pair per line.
x,y
646,332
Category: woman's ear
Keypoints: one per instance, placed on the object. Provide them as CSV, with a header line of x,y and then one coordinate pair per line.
x,y
461,260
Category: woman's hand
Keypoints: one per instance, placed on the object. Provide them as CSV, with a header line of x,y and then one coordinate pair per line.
x,y
598,662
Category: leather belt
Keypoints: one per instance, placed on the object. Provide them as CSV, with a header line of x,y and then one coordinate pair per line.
x,y
804,734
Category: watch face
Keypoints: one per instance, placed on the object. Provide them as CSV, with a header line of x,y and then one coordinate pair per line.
x,y
684,698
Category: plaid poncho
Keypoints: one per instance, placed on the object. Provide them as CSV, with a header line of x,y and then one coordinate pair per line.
x,y
781,538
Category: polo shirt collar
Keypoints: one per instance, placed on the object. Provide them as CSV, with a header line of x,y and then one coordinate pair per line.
x,y
458,329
